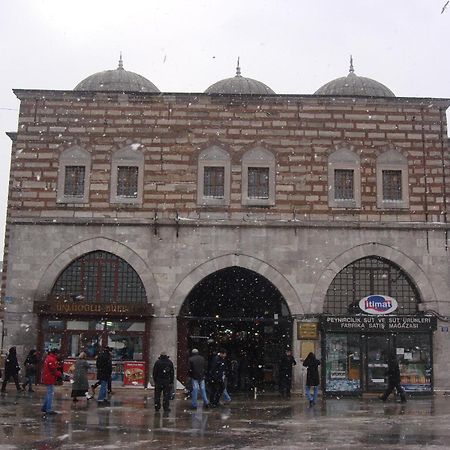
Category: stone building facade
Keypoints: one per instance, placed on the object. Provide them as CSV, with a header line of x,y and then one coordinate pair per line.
x,y
292,189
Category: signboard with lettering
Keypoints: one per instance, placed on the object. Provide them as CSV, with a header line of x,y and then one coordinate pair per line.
x,y
134,373
378,304
87,308
364,324
307,330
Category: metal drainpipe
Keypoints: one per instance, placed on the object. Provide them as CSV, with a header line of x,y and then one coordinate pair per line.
x,y
444,180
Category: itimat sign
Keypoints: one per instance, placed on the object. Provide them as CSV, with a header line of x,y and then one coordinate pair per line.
x,y
378,304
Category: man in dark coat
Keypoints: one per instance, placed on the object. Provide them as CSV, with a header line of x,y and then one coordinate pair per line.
x,y
393,375
163,376
285,373
11,369
312,377
217,374
104,372
197,369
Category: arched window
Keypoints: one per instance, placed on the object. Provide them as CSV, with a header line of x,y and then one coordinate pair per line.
x,y
369,276
344,179
213,184
100,277
258,178
73,176
392,181
127,176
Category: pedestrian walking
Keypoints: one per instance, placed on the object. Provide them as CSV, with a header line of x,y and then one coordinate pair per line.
x,y
50,376
30,365
285,373
217,375
98,382
393,376
104,373
12,369
163,377
197,371
80,385
312,377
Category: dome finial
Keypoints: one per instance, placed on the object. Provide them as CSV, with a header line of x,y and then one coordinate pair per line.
x,y
352,70
120,62
238,69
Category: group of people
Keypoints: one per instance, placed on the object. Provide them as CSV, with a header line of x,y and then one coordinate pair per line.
x,y
12,369
204,377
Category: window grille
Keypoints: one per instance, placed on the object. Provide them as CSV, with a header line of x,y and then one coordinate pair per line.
x,y
127,181
214,182
343,184
369,276
392,185
258,182
74,181
100,277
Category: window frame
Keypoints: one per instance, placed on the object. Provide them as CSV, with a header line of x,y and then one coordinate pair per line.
x,y
258,157
213,156
127,157
344,159
392,160
73,156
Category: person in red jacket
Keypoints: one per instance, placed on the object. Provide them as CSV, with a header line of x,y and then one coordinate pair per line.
x,y
49,376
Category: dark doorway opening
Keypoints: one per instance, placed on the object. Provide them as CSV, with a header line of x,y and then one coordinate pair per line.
x,y
239,310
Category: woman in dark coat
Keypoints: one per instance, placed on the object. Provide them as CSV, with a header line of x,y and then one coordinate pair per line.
x,y
11,369
80,385
312,377
31,362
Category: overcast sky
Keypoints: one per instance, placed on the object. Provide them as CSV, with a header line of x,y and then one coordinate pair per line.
x,y
293,46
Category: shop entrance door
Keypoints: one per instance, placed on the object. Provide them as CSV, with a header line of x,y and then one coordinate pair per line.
x,y
377,354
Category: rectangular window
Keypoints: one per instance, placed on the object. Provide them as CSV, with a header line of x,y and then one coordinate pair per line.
x,y
214,182
127,181
392,185
258,182
343,184
74,181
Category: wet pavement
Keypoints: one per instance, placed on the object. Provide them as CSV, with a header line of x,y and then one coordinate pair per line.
x,y
265,423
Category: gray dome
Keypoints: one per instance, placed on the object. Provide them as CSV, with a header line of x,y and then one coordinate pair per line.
x,y
355,86
116,80
239,85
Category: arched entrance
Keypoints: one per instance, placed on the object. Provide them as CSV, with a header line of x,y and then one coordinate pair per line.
x,y
237,309
97,301
357,342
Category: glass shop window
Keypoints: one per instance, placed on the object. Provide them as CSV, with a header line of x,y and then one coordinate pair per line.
x,y
414,357
125,347
343,363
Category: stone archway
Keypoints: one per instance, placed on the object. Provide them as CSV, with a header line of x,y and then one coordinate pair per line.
x,y
410,268
248,262
69,255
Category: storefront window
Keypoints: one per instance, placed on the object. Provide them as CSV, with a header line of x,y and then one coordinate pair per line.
x,y
48,324
125,326
414,356
126,348
343,363
52,341
84,342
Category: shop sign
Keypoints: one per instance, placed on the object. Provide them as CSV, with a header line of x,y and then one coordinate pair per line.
x,y
134,373
391,324
307,330
378,304
88,308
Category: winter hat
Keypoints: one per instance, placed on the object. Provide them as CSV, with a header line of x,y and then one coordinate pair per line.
x,y
194,351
